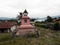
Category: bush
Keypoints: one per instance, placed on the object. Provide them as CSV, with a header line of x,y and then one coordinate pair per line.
x,y
56,26
42,25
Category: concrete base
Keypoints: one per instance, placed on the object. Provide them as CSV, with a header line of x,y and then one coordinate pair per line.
x,y
25,31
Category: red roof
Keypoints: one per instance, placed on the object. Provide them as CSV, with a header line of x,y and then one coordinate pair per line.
x,y
7,24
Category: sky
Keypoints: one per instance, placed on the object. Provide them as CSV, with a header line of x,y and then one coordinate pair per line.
x,y
35,8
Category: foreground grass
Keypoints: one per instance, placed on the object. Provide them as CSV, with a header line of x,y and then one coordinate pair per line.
x,y
47,37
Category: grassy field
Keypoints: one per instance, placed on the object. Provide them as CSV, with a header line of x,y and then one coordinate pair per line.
x,y
47,37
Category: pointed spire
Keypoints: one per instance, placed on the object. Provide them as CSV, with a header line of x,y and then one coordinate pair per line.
x,y
25,11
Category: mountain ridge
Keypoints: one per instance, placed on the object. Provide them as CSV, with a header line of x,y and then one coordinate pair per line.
x,y
7,18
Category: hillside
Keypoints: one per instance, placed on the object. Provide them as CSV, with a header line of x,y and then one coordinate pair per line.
x,y
7,18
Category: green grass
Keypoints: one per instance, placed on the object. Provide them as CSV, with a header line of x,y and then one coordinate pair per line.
x,y
47,37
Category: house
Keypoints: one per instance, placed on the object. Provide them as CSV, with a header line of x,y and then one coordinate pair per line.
x,y
5,26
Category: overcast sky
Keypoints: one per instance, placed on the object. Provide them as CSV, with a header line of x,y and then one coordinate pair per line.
x,y
35,8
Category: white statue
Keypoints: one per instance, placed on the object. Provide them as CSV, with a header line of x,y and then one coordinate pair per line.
x,y
13,30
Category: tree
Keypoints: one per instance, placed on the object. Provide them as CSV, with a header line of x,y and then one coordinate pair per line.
x,y
19,18
56,26
49,19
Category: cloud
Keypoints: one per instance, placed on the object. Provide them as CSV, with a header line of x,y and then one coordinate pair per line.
x,y
36,8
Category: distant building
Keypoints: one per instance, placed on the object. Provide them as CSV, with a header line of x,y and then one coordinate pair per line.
x,y
5,26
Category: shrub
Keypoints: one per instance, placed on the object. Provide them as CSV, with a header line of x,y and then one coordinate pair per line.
x,y
56,26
